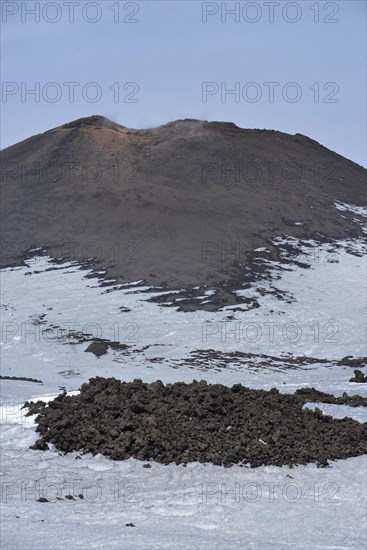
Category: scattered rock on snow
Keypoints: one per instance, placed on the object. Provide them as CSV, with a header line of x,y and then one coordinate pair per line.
x,y
359,377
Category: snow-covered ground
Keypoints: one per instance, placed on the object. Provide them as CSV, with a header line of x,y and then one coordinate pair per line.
x,y
174,507
198,506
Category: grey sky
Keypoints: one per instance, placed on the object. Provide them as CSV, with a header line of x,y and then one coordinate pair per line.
x,y
155,61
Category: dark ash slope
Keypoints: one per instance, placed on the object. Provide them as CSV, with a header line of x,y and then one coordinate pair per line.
x,y
152,200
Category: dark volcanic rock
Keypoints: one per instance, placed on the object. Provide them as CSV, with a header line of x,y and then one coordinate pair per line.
x,y
359,377
98,348
196,422
21,378
34,407
310,394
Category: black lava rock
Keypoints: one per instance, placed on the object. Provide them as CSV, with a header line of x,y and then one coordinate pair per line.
x,y
98,348
184,423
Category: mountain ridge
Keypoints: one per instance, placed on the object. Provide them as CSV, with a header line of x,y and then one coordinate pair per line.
x,y
102,121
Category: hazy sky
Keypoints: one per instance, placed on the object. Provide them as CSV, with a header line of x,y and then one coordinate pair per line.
x,y
290,66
